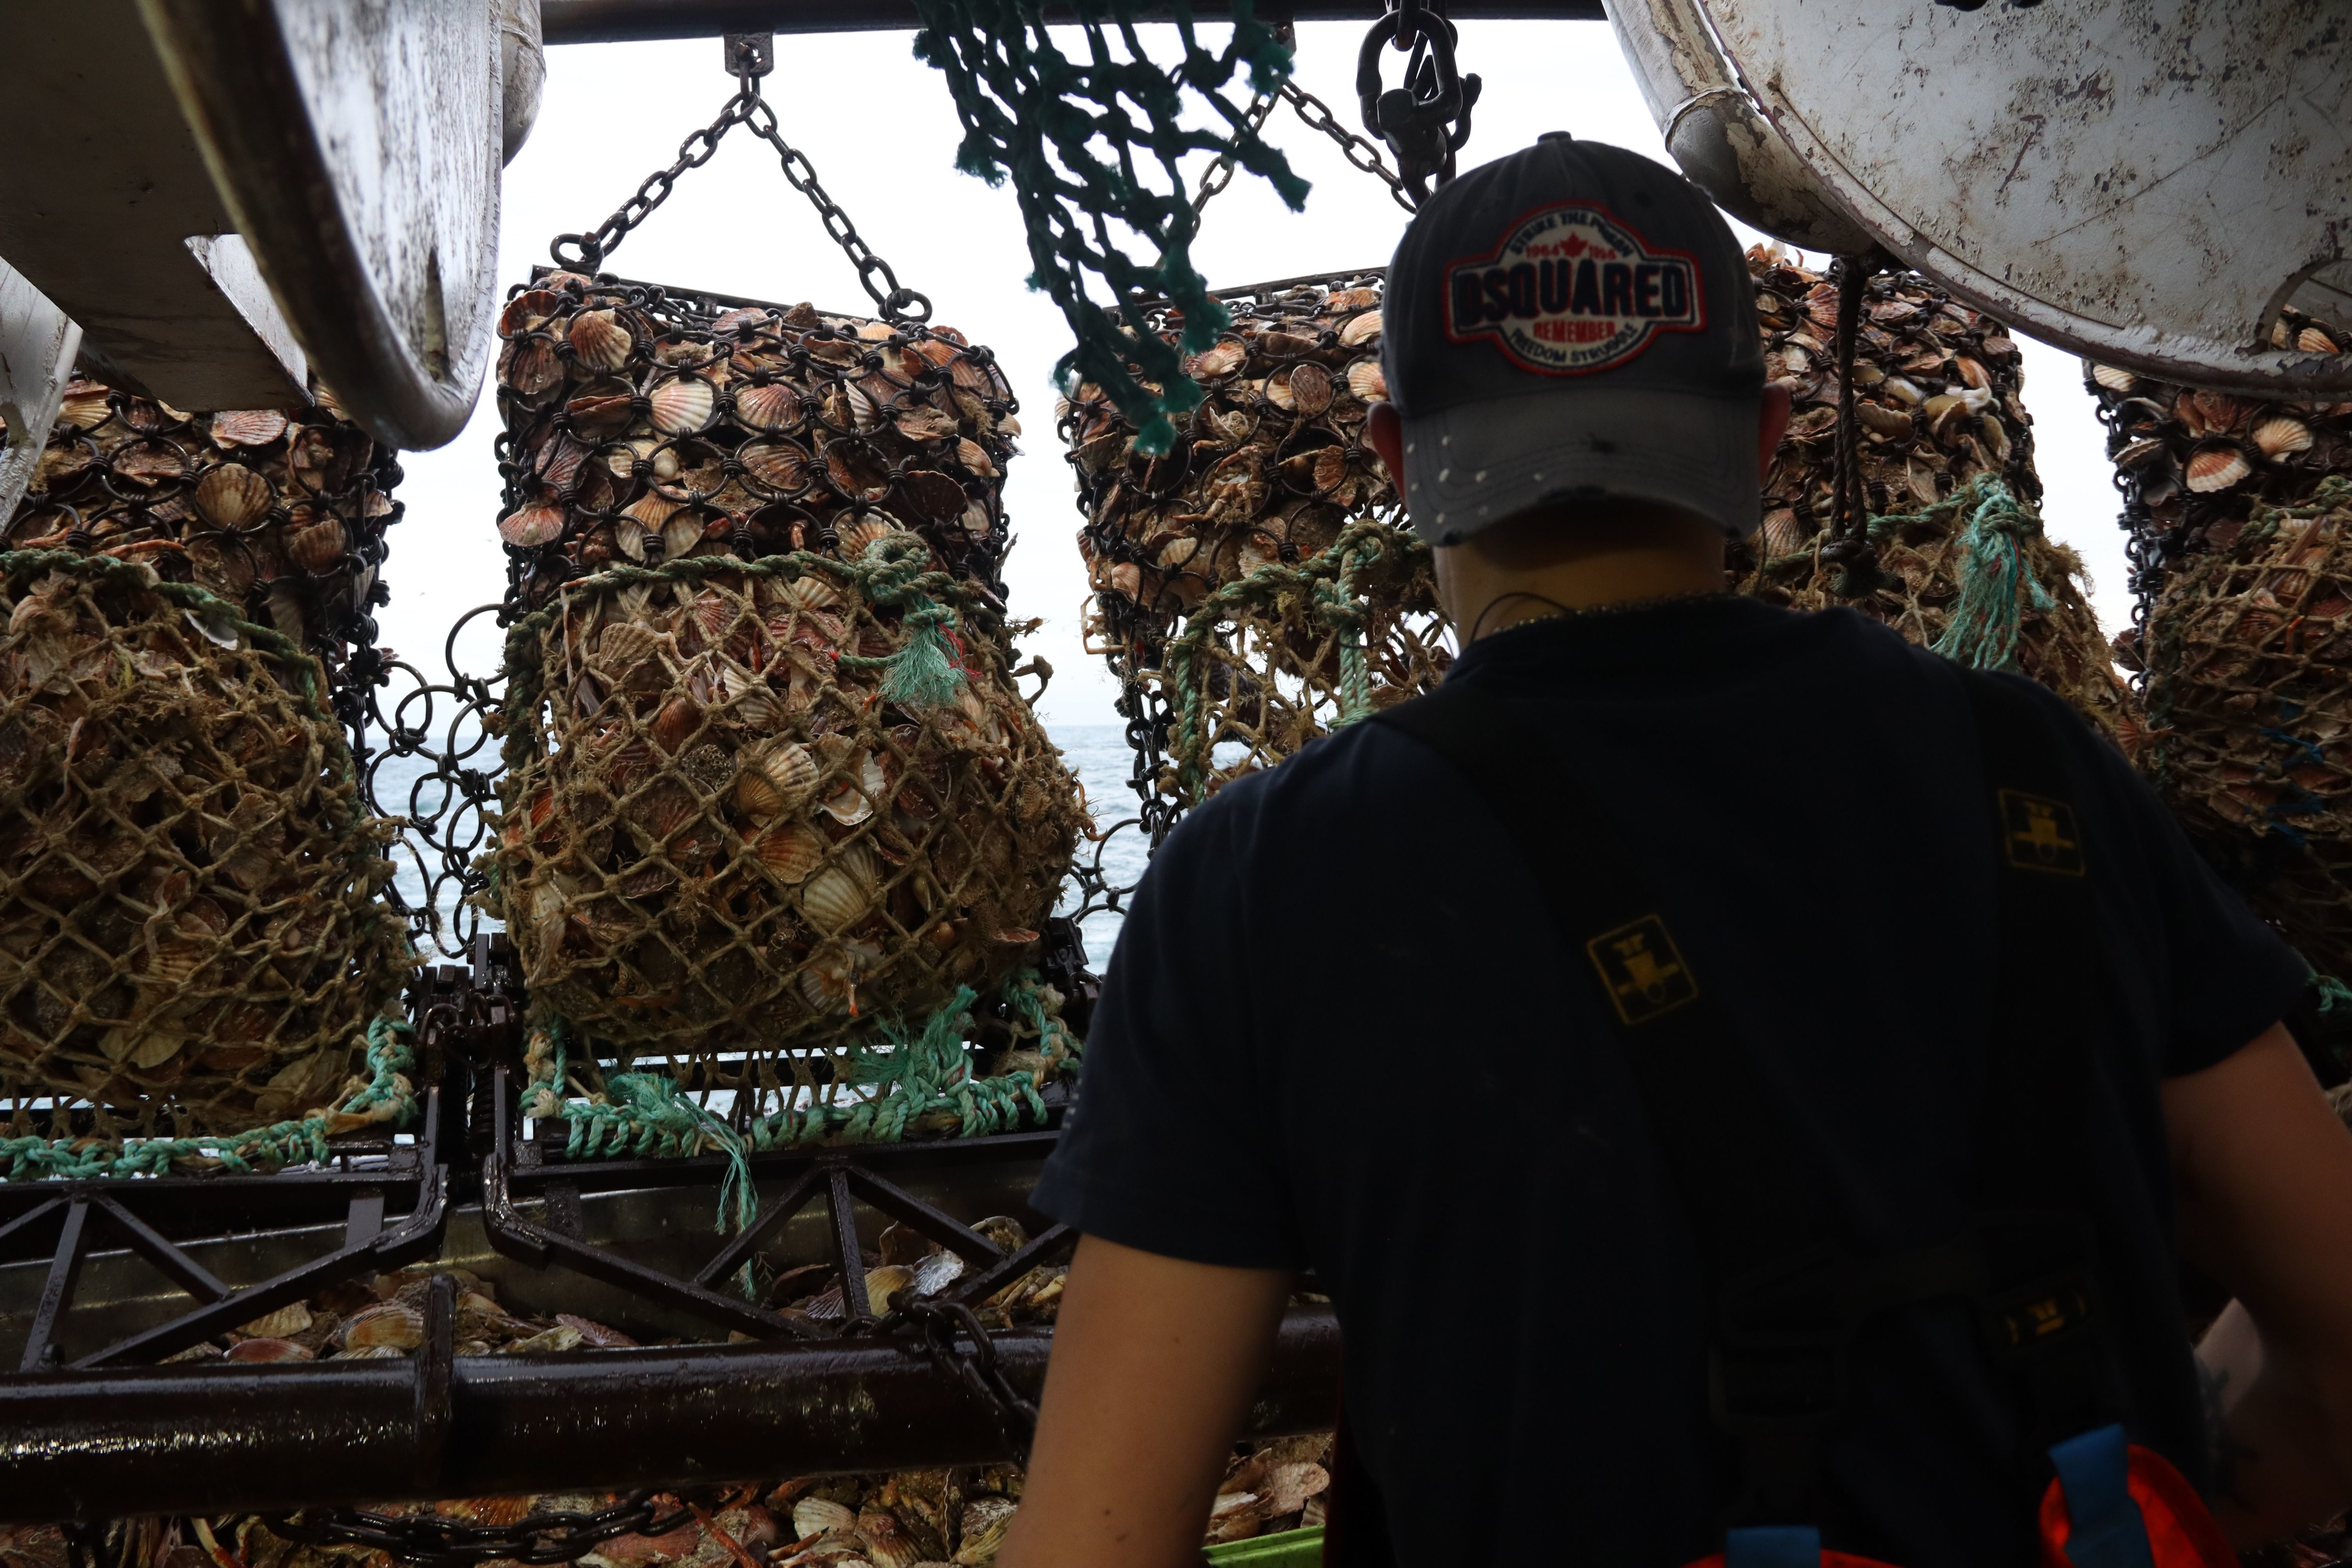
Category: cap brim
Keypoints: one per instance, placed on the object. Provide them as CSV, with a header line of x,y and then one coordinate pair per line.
x,y
1470,467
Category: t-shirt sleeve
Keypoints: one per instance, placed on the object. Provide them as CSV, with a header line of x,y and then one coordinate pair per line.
x,y
1168,1148
2230,975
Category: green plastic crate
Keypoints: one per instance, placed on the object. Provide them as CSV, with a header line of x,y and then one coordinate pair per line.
x,y
1288,1549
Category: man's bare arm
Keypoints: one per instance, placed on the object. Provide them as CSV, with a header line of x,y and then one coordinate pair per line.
x,y
2264,1173
1155,1363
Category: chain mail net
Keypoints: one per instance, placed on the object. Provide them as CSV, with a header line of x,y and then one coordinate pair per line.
x,y
190,937
645,424
1967,571
282,515
743,826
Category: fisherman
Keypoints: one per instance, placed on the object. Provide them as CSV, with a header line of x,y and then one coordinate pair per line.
x,y
1745,1084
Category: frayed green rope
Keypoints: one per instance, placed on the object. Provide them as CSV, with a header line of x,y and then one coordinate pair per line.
x,y
1995,585
1062,129
387,1095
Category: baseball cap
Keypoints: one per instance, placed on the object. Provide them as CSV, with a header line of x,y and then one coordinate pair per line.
x,y
1573,321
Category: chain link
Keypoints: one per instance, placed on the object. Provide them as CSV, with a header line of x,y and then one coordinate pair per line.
x,y
1363,155
588,252
1220,173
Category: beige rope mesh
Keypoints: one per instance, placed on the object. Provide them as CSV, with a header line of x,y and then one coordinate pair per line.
x,y
646,426
721,835
190,939
2249,711
1939,400
282,515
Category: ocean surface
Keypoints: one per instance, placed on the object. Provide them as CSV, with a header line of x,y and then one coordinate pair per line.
x,y
1096,754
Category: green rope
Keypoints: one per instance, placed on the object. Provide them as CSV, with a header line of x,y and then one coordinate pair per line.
x,y
927,672
1328,581
1983,628
387,1095
1062,129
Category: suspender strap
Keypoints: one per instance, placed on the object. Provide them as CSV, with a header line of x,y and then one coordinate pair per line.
x,y
1743,1181
2040,1306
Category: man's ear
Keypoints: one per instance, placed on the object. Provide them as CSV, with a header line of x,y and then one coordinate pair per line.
x,y
1385,429
1773,425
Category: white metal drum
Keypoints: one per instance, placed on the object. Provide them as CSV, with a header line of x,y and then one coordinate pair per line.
x,y
2146,182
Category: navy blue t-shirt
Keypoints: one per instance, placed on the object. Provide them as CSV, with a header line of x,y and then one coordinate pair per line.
x,y
1341,1031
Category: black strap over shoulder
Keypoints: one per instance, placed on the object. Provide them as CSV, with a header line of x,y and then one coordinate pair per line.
x,y
1787,1293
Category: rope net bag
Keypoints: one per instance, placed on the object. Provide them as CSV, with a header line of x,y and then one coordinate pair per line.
x,y
2195,466
770,811
645,425
190,940
282,515
1237,625
1953,555
2249,733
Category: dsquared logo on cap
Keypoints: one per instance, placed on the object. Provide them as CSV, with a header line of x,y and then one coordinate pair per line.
x,y
1571,290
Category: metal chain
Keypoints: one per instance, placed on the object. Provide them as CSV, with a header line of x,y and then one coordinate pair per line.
x,y
435,1541
1220,173
747,107
977,1369
1363,155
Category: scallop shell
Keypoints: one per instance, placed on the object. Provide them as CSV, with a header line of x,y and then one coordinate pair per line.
x,y
390,1326
791,851
816,1516
85,408
779,465
2282,435
852,796
1216,361
975,458
233,496
599,341
147,463
601,415
847,407
269,1348
681,405
777,781
528,310
530,365
1365,380
856,471
284,1323
248,427
863,531
2311,339
623,645
677,722
2213,468
2139,453
1310,388
318,548
842,894
808,591
532,526
771,407
1361,330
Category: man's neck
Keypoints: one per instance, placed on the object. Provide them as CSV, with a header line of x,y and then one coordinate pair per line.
x,y
1532,571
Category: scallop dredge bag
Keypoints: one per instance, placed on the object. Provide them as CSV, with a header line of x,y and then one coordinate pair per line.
x,y
190,940
1946,459
1254,588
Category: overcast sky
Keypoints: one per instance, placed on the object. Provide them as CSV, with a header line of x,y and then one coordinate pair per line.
x,y
882,133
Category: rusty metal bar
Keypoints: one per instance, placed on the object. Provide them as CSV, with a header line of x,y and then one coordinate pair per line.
x,y
187,1438
614,21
